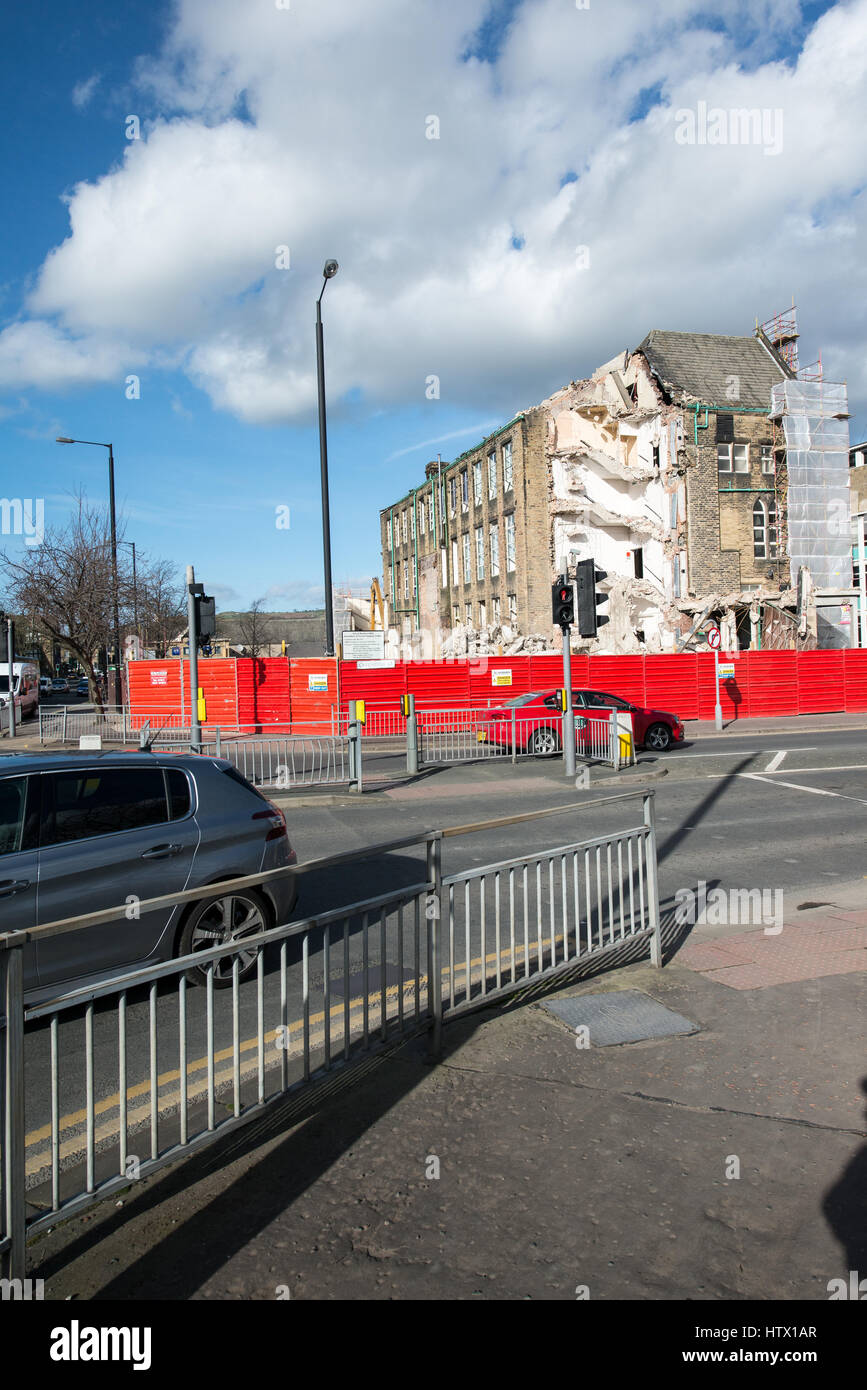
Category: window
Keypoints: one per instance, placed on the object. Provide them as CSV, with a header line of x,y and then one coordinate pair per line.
x,y
388,533
495,550
483,615
453,493
456,615
507,466
406,578
765,530
513,610
733,458
467,571
638,562
480,552
421,517
431,510
656,455
465,491
477,482
725,429
179,793
456,578
414,580
104,801
444,568
510,542
412,517
13,792
403,526
492,475
468,614
495,611
768,459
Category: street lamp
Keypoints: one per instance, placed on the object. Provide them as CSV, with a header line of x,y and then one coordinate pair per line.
x,y
62,439
329,271
134,587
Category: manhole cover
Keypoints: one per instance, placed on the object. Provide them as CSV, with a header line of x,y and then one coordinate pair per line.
x,y
620,1017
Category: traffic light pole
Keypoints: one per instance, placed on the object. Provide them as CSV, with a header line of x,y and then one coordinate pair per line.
x,y
10,657
195,727
569,712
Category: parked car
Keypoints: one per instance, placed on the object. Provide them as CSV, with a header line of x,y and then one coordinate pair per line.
x,y
83,686
60,685
44,685
100,830
24,687
538,721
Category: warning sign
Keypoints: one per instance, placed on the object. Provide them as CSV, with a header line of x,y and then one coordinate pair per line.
x,y
501,678
159,677
317,681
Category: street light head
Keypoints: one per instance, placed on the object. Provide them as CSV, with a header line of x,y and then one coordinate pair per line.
x,y
330,269
61,439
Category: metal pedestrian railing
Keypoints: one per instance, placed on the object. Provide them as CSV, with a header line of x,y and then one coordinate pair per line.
x,y
193,1063
448,736
285,762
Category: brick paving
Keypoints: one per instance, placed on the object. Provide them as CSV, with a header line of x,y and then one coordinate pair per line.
x,y
834,943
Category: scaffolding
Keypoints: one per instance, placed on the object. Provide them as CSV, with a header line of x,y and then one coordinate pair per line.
x,y
814,418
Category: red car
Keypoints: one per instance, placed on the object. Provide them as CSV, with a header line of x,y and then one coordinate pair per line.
x,y
538,721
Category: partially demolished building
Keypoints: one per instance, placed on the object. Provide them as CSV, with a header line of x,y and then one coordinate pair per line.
x,y
669,467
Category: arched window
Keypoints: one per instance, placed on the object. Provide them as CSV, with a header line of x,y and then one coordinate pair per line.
x,y
760,531
765,530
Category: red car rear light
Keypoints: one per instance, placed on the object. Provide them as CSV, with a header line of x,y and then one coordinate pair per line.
x,y
277,819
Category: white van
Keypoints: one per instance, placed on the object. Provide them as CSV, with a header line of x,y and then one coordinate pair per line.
x,y
25,686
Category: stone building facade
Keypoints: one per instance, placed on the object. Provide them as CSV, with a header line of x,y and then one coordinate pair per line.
x,y
665,466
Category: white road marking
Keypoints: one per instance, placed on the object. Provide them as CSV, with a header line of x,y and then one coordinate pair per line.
x,y
793,786
842,767
776,760
743,753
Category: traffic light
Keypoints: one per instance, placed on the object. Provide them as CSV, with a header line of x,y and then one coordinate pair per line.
x,y
587,576
206,618
563,602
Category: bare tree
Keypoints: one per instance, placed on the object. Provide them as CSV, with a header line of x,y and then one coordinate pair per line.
x,y
162,604
253,628
67,583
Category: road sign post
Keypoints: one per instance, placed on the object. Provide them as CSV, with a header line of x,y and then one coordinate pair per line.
x,y
713,641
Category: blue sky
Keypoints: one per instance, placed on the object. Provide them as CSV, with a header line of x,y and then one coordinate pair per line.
x,y
309,127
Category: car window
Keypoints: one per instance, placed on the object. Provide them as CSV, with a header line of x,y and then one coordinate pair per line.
x,y
520,700
13,791
612,701
99,801
179,793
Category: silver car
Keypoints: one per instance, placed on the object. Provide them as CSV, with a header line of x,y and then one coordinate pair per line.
x,y
81,832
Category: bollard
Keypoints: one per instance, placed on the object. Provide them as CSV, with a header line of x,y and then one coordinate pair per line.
x,y
411,738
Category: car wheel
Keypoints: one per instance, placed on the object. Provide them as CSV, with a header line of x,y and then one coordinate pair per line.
x,y
658,737
224,919
544,742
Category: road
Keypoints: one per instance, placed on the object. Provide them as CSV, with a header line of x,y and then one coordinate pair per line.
x,y
782,813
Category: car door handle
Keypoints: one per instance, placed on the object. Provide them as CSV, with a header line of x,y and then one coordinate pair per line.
x,y
162,851
13,885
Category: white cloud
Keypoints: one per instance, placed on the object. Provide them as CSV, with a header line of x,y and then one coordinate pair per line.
x,y
173,253
84,90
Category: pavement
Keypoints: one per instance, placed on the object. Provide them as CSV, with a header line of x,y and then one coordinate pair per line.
x,y
724,1163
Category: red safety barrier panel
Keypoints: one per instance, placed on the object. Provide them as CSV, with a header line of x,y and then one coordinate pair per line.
x,y
263,692
773,686
821,686
855,681
314,694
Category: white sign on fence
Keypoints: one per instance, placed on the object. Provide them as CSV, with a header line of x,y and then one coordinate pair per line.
x,y
363,646
501,678
317,680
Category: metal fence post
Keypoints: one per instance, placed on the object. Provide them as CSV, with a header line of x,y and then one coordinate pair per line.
x,y
13,1261
652,882
433,913
65,713
217,738
411,738
614,741
514,736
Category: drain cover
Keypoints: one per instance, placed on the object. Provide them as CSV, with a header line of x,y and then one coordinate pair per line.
x,y
619,1017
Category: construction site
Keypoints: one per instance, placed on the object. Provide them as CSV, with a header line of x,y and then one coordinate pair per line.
x,y
707,476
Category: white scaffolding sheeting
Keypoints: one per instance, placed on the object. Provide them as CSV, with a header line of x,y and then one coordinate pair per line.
x,y
815,420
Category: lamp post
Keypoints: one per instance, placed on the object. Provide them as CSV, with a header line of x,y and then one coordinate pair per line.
x,y
62,439
329,271
131,544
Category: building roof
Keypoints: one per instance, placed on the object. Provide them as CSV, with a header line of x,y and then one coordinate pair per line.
x,y
699,367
